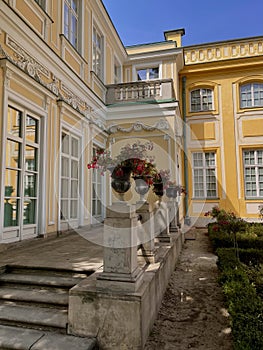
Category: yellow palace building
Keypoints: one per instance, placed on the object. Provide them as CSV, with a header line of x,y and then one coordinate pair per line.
x,y
68,87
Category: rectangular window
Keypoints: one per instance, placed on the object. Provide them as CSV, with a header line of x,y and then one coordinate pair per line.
x,y
71,20
253,172
251,95
21,169
204,175
97,53
69,191
201,100
148,73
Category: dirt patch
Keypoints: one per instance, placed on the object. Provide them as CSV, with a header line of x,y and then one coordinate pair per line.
x,y
192,315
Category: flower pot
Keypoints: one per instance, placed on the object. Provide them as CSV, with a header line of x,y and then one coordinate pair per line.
x,y
141,187
158,188
121,180
171,192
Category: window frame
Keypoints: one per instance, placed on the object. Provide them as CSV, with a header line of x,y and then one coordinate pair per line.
x,y
97,63
257,174
75,39
204,168
252,94
202,96
148,72
24,197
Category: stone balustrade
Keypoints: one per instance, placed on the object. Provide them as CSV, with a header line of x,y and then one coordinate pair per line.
x,y
140,91
119,303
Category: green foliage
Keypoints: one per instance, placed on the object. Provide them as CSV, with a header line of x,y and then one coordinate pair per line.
x,y
244,305
256,229
226,221
245,240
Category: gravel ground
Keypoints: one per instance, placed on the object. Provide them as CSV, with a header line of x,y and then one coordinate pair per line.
x,y
192,315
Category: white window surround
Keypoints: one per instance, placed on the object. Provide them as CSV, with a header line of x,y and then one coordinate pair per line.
x,y
148,65
25,107
251,95
77,133
253,173
75,41
204,175
117,71
98,64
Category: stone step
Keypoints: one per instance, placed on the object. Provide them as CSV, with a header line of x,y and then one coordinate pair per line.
x,y
58,272
42,295
24,339
15,314
39,280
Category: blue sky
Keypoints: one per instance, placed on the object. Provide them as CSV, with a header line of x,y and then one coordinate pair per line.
x,y
144,21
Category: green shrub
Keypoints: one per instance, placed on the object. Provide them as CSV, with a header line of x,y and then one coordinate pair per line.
x,y
256,229
221,239
251,256
243,303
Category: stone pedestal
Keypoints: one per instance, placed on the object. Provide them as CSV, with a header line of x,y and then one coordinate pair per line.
x,y
146,237
120,269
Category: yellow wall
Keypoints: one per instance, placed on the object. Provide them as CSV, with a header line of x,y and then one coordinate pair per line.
x,y
227,129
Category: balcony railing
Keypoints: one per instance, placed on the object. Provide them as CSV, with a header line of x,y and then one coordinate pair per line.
x,y
140,91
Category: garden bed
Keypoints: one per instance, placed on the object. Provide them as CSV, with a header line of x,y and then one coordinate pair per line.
x,y
239,247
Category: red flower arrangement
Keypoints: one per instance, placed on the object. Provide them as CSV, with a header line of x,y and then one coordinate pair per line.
x,y
133,156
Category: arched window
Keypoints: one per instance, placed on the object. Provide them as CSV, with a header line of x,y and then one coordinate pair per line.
x,y
201,100
251,95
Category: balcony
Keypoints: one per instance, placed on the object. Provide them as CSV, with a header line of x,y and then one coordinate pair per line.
x,y
140,91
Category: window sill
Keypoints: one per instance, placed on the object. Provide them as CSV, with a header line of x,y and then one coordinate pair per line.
x,y
254,199
212,199
65,40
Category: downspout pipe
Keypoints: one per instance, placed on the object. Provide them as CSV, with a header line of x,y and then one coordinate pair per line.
x,y
187,219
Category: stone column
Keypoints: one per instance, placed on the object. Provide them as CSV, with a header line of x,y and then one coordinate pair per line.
x,y
146,232
120,269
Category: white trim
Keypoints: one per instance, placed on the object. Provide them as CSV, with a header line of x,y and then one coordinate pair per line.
x,y
43,147
53,172
236,133
71,130
147,65
204,167
221,143
5,98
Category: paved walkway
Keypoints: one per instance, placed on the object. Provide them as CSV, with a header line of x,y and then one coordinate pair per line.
x,y
77,251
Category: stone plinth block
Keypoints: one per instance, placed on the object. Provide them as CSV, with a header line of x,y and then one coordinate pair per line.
x,y
120,269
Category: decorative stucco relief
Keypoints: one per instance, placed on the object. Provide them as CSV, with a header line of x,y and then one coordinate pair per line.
x,y
161,124
46,78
